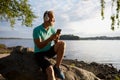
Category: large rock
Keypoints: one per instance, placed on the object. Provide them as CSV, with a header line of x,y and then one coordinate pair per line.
x,y
1,77
20,65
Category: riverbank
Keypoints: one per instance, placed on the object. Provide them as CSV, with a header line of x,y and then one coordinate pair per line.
x,y
102,71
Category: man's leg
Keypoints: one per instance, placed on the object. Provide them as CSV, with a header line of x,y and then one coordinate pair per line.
x,y
50,73
59,49
45,65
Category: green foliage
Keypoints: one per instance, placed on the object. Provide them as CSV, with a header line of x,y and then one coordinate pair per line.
x,y
12,10
69,37
2,46
102,8
72,65
115,12
117,78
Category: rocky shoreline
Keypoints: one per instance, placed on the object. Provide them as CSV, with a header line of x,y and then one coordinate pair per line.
x,y
16,63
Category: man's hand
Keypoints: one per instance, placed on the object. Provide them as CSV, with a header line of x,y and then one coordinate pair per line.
x,y
58,34
55,36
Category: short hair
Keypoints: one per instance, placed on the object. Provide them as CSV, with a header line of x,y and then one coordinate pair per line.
x,y
48,13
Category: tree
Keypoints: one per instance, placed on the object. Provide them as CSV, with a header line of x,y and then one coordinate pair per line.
x,y
13,10
115,12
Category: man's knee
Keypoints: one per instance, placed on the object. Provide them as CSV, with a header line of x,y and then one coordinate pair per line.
x,y
62,43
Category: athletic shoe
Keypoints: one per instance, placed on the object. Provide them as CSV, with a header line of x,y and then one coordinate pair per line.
x,y
59,73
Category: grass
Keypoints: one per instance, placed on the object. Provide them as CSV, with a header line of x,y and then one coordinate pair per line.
x,y
3,49
117,78
2,46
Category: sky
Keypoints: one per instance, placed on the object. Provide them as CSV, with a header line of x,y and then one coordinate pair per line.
x,y
77,17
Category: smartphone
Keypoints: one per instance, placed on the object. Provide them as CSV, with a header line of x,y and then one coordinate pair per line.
x,y
58,31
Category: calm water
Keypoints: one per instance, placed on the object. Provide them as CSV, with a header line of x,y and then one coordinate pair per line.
x,y
101,51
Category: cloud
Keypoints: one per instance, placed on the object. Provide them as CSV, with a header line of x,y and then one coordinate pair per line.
x,y
80,17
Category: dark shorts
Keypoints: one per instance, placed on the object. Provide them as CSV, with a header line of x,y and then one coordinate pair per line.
x,y
42,58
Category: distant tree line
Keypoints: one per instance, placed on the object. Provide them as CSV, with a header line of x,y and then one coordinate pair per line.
x,y
101,38
69,37
73,37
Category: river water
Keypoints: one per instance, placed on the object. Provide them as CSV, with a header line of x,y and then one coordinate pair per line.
x,y
100,51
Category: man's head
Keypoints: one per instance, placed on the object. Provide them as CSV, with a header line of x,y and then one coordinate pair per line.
x,y
49,18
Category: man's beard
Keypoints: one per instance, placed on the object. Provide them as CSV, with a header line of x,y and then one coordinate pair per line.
x,y
51,24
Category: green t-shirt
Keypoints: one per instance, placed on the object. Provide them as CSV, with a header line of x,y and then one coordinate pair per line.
x,y
41,33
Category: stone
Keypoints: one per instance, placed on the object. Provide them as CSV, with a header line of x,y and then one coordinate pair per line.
x,y
21,65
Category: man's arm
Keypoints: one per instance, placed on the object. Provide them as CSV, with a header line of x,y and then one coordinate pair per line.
x,y
42,44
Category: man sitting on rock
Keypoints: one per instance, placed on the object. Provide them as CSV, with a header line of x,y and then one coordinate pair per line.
x,y
43,36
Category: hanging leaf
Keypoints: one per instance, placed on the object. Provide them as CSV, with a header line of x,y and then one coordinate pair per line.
x,y
115,20
12,10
